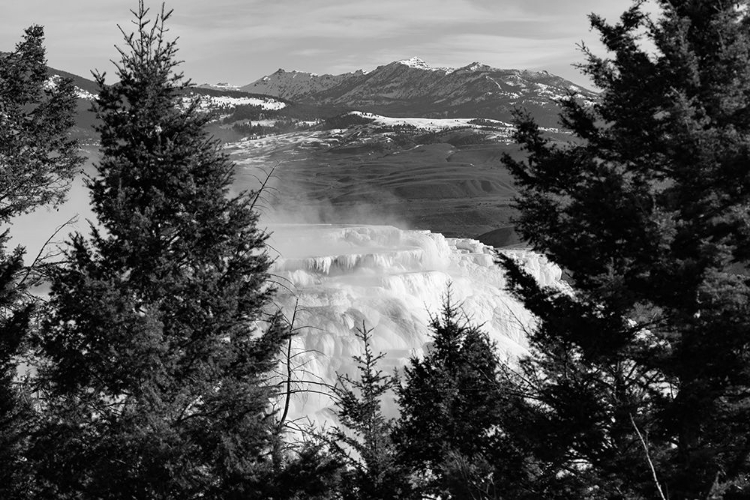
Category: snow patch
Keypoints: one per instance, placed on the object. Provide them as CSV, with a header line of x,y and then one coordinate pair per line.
x,y
226,102
80,93
418,63
415,62
430,123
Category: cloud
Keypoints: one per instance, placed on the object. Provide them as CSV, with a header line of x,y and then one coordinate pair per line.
x,y
241,40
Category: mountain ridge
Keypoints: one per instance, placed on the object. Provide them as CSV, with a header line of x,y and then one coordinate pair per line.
x,y
412,87
408,88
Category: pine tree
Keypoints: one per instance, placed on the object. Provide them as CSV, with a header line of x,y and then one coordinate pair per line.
x,y
154,375
365,439
453,407
37,162
310,472
643,374
37,158
16,414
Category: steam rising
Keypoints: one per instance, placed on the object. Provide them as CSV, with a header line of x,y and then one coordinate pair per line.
x,y
391,280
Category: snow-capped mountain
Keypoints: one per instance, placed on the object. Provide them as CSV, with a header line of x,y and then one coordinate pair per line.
x,y
413,88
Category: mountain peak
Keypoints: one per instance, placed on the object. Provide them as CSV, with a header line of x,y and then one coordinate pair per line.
x,y
415,62
477,66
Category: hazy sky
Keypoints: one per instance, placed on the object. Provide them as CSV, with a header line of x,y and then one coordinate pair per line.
x,y
239,41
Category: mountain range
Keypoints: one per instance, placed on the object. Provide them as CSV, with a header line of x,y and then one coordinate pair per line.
x,y
413,88
406,88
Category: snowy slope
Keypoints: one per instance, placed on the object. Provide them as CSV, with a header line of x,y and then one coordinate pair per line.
x,y
227,102
433,124
226,99
53,80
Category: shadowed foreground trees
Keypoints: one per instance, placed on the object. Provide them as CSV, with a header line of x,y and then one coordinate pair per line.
x,y
454,407
648,211
153,376
37,162
364,441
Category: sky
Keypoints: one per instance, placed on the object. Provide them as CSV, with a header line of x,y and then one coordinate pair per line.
x,y
240,41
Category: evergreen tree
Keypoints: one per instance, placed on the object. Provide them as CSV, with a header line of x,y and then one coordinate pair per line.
x,y
365,442
453,406
37,158
310,472
37,161
16,414
642,375
154,374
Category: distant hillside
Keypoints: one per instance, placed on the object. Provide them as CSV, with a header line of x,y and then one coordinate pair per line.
x,y
85,84
298,85
217,101
413,88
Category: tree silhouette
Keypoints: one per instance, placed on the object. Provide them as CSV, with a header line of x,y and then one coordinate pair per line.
x,y
453,409
648,212
154,374
364,440
37,162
